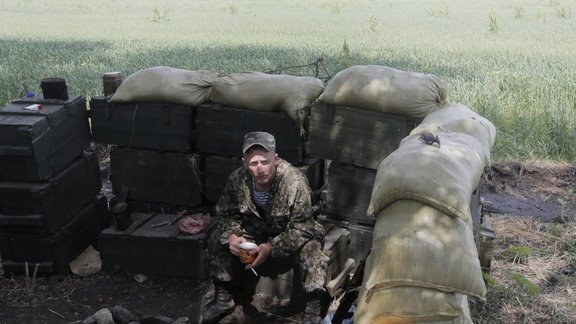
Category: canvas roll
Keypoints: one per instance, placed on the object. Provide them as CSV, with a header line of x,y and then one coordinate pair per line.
x,y
386,89
267,92
166,84
414,244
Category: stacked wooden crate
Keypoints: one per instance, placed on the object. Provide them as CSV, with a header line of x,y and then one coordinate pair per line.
x,y
168,158
355,141
155,170
50,207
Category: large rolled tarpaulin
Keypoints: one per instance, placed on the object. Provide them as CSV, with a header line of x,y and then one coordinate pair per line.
x,y
414,244
166,84
386,89
443,176
267,92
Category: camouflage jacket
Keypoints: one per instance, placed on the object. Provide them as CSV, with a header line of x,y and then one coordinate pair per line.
x,y
288,223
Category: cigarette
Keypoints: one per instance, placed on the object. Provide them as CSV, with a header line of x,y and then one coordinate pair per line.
x,y
255,273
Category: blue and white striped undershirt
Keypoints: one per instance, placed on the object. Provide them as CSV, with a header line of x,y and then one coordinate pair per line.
x,y
260,199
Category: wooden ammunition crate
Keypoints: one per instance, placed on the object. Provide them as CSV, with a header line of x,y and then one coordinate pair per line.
x,y
348,193
151,248
153,176
149,125
355,136
53,252
45,207
221,130
36,145
217,170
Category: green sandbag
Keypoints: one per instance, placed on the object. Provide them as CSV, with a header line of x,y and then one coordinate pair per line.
x,y
166,84
267,92
414,244
443,176
461,119
462,319
385,89
406,305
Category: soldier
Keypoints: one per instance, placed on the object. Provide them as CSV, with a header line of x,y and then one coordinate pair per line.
x,y
266,201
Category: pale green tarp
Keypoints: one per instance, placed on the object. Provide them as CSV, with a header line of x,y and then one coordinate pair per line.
x,y
407,305
414,244
267,92
166,84
443,176
385,89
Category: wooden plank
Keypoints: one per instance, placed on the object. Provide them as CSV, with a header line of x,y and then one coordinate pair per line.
x,y
339,280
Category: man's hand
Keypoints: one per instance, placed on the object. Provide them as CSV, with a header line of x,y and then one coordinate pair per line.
x,y
263,252
234,242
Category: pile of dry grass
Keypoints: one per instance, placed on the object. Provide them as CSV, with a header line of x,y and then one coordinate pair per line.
x,y
533,273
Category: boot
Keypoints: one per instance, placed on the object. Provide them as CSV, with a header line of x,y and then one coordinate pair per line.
x,y
313,309
221,305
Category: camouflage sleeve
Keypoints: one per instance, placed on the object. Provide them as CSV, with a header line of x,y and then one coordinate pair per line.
x,y
227,208
301,225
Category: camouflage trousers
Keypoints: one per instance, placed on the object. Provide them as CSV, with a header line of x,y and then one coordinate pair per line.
x,y
309,260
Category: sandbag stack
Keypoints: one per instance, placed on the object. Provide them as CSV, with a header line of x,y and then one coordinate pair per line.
x,y
361,117
423,250
178,134
50,206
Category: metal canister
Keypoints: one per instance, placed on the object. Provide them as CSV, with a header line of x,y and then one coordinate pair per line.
x,y
111,82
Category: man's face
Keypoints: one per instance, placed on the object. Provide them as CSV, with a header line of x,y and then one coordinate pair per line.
x,y
261,165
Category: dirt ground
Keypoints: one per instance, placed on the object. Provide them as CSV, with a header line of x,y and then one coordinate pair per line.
x,y
543,191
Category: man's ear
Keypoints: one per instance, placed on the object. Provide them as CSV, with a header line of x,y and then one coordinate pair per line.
x,y
276,159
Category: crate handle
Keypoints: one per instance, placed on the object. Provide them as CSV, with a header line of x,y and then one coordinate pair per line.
x,y
166,114
133,130
108,109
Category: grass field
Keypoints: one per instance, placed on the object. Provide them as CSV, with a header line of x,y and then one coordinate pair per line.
x,y
510,60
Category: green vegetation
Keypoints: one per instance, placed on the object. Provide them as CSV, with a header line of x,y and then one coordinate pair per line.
x,y
517,69
538,290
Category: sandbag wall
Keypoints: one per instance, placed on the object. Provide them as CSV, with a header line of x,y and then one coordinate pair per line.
x,y
358,121
50,206
176,136
424,262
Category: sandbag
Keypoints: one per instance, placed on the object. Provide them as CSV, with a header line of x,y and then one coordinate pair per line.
x,y
462,319
166,84
267,92
385,89
443,177
461,119
406,305
414,244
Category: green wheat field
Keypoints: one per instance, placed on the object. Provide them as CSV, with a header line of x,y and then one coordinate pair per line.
x,y
512,61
